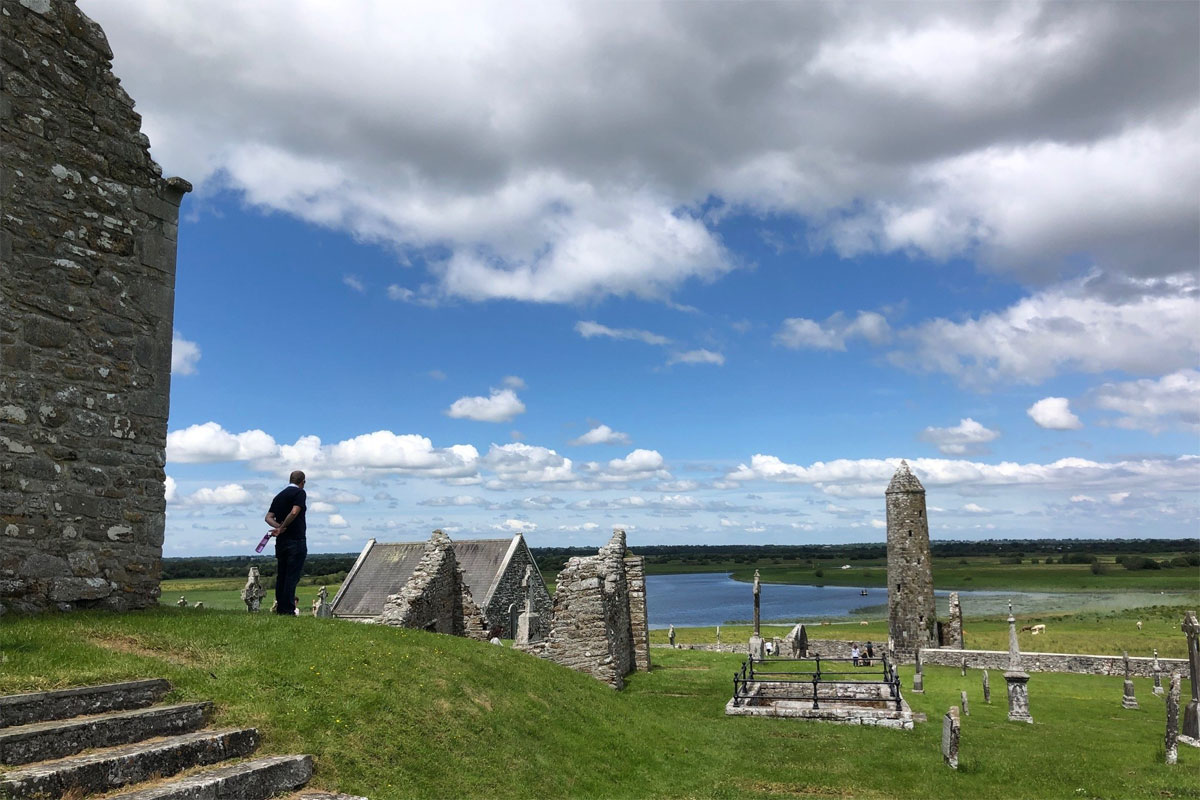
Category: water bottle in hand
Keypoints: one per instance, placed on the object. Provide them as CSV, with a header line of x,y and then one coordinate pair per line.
x,y
263,543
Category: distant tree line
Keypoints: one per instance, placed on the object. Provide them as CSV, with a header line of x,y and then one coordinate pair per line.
x,y
332,567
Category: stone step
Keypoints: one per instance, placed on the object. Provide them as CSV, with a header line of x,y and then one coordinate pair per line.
x,y
42,741
113,767
23,709
247,780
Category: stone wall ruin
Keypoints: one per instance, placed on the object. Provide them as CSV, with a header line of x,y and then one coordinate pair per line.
x,y
436,598
592,629
87,283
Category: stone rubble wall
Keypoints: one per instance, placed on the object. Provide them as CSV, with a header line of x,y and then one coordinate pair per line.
x,y
87,282
590,630
1053,662
509,592
828,648
436,598
635,573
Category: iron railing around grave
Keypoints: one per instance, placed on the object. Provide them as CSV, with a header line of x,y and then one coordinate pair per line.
x,y
771,672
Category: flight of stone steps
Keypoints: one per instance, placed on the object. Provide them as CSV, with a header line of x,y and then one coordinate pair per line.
x,y
96,740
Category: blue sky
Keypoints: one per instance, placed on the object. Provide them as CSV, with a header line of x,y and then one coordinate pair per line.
x,y
706,272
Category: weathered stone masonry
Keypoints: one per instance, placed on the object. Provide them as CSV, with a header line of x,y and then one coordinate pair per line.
x,y
592,630
436,598
87,281
912,617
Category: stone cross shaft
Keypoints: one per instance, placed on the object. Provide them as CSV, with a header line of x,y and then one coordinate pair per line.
x,y
1171,742
1014,649
1191,714
1127,699
757,592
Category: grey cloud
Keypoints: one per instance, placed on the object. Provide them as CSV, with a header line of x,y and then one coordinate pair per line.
x,y
576,136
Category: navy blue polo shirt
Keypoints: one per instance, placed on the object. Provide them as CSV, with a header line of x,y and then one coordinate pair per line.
x,y
281,506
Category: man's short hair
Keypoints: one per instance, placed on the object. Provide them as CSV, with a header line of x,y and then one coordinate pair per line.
x,y
297,477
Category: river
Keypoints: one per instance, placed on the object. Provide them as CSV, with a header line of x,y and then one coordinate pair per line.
x,y
714,598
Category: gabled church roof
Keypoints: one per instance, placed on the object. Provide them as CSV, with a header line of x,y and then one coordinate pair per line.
x,y
383,568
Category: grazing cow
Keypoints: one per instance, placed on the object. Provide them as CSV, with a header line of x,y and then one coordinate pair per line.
x,y
1139,624
864,622
1036,629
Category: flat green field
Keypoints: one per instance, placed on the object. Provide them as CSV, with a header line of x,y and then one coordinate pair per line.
x,y
1097,634
393,713
226,593
962,573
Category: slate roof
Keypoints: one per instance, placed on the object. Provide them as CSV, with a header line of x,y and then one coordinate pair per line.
x,y
384,567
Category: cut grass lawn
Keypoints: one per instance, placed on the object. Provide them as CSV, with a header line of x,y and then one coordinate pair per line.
x,y
1094,634
226,593
395,713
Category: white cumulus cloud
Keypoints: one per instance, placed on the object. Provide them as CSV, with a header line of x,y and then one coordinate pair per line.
x,y
967,437
184,355
1059,330
500,406
230,494
697,357
832,334
209,442
601,434
1055,414
1154,405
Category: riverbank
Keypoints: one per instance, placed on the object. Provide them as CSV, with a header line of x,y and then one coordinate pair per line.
x,y
1032,574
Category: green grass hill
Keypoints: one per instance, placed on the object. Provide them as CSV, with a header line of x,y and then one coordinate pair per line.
x,y
394,713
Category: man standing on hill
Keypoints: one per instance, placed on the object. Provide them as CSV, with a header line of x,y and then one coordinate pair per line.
x,y
291,548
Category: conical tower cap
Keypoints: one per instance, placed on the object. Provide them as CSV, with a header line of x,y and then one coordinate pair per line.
x,y
904,480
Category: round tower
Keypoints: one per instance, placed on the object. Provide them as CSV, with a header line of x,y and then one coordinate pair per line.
x,y
912,616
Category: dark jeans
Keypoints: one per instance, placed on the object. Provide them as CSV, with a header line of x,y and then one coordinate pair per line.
x,y
290,555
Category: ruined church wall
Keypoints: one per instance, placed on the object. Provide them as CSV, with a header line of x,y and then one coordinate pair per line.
x,y
87,281
635,574
431,597
591,630
509,592
436,597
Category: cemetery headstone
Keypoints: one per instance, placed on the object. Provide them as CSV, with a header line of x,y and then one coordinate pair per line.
x,y
918,676
950,737
1015,677
671,635
253,592
987,689
1158,687
966,709
1172,739
1127,698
